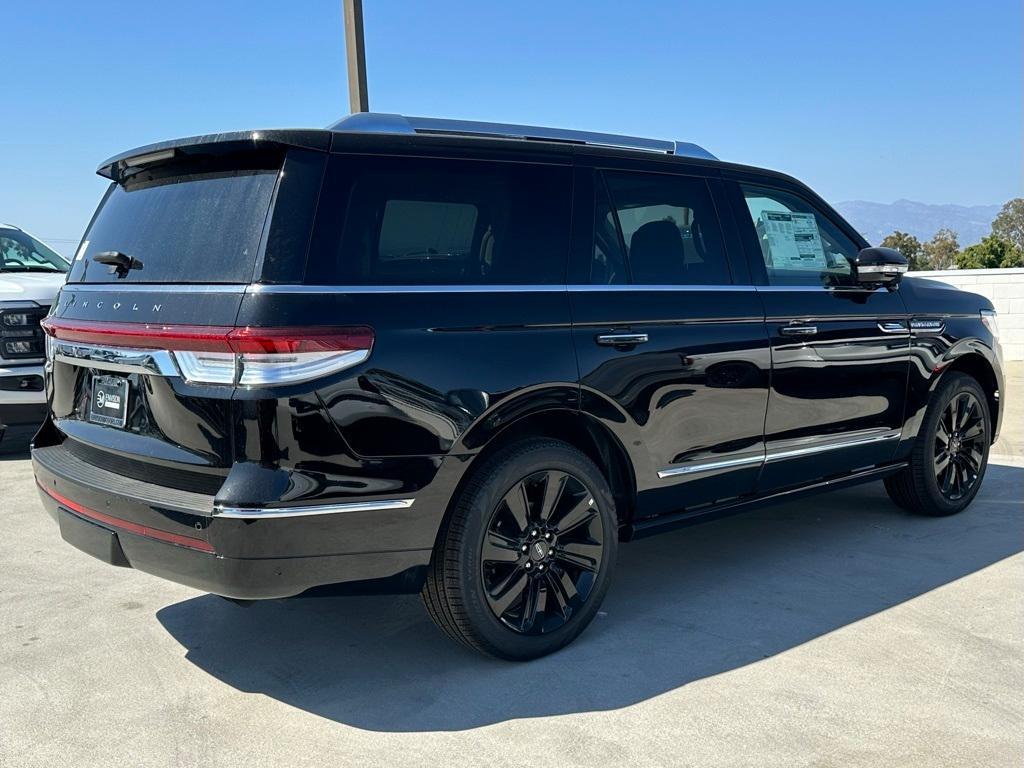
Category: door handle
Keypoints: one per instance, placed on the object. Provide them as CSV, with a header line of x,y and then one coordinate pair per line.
x,y
892,326
798,329
622,339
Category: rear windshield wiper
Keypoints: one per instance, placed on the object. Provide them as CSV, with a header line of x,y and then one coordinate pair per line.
x,y
120,263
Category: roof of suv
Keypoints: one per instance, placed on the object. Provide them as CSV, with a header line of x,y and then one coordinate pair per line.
x,y
398,127
382,124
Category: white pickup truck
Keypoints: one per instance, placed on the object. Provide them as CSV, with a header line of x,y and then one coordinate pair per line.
x,y
30,276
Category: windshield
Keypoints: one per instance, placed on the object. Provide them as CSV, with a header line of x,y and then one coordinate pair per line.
x,y
20,252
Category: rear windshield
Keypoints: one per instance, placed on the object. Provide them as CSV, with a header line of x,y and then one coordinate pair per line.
x,y
200,228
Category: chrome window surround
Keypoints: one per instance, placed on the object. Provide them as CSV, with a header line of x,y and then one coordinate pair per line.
x,y
562,288
283,288
155,287
792,450
270,513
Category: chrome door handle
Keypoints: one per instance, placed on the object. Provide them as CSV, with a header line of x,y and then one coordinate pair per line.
x,y
893,326
622,339
798,329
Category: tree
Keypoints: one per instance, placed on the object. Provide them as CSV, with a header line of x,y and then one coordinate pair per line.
x,y
1013,258
940,252
906,244
1009,224
990,253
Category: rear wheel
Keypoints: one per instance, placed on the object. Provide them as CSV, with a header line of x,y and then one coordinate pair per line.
x,y
526,556
949,459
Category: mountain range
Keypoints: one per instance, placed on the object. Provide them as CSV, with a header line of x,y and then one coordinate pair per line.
x,y
876,220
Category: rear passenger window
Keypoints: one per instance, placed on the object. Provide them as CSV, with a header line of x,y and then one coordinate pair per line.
x,y
412,221
608,266
669,228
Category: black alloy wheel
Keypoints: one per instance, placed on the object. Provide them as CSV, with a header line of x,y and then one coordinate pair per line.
x,y
525,556
960,441
543,549
947,464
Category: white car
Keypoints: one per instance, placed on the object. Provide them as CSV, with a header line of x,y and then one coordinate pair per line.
x,y
30,276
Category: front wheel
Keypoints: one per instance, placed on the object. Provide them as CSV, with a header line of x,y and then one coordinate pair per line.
x,y
526,556
951,453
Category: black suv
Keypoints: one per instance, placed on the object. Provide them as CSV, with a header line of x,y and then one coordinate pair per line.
x,y
469,359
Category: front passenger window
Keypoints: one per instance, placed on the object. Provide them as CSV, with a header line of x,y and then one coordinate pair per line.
x,y
799,245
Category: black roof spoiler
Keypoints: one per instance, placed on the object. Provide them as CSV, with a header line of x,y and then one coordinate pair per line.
x,y
113,167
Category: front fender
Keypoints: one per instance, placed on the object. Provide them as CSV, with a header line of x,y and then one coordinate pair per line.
x,y
963,344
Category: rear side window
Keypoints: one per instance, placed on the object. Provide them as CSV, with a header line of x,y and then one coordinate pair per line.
x,y
670,230
200,228
414,221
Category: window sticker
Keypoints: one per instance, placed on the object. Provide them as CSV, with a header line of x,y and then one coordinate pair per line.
x,y
793,240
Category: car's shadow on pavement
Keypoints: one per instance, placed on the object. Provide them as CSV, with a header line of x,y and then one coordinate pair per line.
x,y
683,606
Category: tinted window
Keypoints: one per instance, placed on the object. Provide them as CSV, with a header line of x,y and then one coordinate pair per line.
x,y
413,221
670,229
608,266
203,228
799,245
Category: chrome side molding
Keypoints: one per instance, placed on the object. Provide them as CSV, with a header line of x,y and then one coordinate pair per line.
x,y
790,450
269,513
708,466
795,450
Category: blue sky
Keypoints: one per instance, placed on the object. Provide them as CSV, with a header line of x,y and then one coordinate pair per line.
x,y
875,100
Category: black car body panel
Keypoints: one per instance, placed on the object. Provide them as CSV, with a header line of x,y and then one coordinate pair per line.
x,y
693,397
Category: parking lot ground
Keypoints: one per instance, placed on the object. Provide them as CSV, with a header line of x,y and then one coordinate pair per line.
x,y
836,631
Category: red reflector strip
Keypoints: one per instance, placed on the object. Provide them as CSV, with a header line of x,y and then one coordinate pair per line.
x,y
193,338
125,525
211,338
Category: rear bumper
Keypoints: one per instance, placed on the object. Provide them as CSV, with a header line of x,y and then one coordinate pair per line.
x,y
177,535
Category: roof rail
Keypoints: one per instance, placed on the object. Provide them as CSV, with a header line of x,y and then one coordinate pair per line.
x,y
379,122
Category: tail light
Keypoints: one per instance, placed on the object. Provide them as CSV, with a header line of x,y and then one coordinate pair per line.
x,y
247,357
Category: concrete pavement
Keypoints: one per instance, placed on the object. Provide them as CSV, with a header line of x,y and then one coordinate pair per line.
x,y
836,631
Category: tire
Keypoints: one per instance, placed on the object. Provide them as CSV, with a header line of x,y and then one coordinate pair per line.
x,y
933,484
481,585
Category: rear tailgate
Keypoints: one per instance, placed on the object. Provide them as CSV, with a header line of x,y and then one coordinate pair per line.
x,y
177,239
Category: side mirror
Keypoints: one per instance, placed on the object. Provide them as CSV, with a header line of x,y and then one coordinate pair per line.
x,y
879,267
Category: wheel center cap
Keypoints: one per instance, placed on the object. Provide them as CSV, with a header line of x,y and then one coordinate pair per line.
x,y
954,445
539,550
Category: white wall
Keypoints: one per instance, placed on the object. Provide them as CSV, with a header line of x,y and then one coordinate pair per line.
x,y
1005,288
